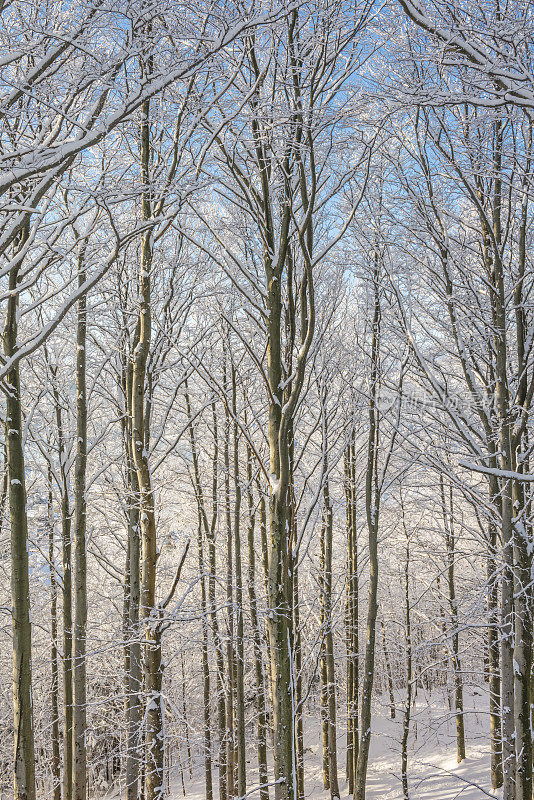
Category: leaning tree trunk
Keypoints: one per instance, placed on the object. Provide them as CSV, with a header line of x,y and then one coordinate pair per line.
x,y
24,748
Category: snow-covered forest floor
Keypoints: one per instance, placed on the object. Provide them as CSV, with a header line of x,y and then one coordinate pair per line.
x,y
434,773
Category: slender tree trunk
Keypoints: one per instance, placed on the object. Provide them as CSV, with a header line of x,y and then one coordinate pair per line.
x,y
67,647
80,554
388,672
330,662
265,573
206,683
230,650
186,725
280,601
494,666
328,691
323,665
448,523
522,645
134,644
24,748
372,504
219,655
258,657
283,401
297,659
54,666
205,669
240,648
506,489
281,638
523,656
66,598
154,714
352,615
409,677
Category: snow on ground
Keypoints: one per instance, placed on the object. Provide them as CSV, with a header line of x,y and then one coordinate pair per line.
x,y
433,770
434,773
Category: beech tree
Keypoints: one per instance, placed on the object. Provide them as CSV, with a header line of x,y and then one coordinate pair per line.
x,y
267,381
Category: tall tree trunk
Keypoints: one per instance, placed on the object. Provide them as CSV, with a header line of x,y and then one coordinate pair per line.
x,y
80,554
352,614
372,505
389,676
448,522
217,639
265,573
494,665
67,645
522,644
24,748
281,639
231,773
132,639
329,643
323,664
523,656
206,694
133,644
297,660
154,714
506,489
66,596
283,399
54,666
186,725
240,645
279,618
258,657
409,677
202,524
